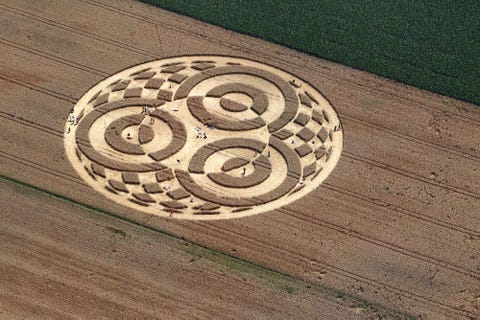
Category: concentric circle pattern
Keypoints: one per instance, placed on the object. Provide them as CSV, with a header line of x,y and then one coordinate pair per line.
x,y
204,137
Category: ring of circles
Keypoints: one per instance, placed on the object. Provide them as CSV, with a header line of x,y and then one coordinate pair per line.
x,y
203,137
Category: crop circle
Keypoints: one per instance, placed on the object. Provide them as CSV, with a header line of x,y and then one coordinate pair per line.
x,y
203,137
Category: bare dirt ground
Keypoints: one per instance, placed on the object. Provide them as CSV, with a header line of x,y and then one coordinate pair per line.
x,y
396,223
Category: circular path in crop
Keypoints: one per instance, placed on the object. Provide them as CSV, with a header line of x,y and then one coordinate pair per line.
x,y
203,137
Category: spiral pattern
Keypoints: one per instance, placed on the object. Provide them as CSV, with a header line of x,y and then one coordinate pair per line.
x,y
203,137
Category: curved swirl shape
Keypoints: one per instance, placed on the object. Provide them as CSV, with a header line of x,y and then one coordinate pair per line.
x,y
203,137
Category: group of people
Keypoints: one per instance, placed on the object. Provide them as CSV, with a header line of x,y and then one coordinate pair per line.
x,y
200,133
72,119
146,110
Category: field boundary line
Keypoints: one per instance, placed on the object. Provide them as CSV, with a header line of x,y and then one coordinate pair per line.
x,y
204,37
345,116
248,49
342,114
324,289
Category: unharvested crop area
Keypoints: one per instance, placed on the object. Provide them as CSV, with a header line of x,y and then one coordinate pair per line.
x,y
431,45
61,259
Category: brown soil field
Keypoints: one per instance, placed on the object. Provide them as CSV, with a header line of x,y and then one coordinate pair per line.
x,y
396,222
60,260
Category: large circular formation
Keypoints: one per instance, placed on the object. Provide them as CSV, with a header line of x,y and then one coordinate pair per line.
x,y
203,137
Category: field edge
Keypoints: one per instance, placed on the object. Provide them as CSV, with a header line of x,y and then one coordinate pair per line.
x,y
283,282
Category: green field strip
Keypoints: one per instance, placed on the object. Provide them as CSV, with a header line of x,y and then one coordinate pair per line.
x,y
430,45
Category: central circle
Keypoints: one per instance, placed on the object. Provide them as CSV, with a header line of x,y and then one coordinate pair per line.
x,y
238,97
203,137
